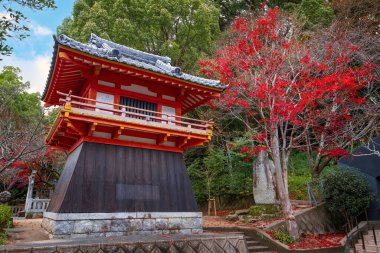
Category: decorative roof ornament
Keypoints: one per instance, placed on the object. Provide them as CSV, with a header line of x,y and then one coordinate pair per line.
x,y
168,67
127,51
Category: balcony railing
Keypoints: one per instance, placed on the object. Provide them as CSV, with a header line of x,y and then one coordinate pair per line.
x,y
128,112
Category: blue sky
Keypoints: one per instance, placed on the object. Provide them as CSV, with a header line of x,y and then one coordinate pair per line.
x,y
33,54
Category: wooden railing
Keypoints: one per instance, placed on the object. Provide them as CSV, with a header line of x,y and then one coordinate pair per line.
x,y
39,205
17,209
73,101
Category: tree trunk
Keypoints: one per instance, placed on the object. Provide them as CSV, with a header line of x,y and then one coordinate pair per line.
x,y
282,187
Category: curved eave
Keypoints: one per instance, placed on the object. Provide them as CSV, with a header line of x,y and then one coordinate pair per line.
x,y
57,46
51,70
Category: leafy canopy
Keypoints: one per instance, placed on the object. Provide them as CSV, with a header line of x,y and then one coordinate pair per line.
x,y
180,29
284,85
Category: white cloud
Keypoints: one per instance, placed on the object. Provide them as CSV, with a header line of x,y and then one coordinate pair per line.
x,y
5,16
34,69
39,30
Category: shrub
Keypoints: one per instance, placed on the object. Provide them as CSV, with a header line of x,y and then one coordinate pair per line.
x,y
283,236
259,210
5,216
346,193
3,238
298,187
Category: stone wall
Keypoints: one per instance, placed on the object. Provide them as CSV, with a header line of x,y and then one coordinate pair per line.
x,y
84,225
206,243
315,220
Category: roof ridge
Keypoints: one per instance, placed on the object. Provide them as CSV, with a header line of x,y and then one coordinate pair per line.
x,y
128,51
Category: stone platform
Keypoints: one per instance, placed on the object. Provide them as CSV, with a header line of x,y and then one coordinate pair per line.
x,y
87,225
202,243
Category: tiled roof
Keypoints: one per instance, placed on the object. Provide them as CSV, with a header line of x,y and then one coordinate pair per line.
x,y
112,51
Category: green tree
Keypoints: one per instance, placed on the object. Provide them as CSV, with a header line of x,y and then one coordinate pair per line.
x,y
221,171
15,102
13,21
21,125
180,29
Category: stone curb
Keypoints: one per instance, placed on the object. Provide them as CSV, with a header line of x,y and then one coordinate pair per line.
x,y
264,238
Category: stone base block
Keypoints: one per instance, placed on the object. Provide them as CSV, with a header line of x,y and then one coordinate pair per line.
x,y
87,225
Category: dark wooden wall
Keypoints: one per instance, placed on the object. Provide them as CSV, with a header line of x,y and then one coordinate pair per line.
x,y
108,178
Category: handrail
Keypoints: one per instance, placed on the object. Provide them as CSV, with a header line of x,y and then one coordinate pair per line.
x,y
314,199
131,108
357,234
134,112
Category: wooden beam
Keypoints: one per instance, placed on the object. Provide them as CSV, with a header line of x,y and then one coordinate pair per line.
x,y
97,70
194,144
75,128
91,128
132,144
182,142
162,138
117,132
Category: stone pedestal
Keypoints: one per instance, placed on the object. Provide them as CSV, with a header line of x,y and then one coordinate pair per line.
x,y
87,225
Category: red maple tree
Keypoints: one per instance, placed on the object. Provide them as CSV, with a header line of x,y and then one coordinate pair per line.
x,y
284,91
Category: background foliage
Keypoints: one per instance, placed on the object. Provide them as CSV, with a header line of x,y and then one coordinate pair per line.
x,y
180,29
187,30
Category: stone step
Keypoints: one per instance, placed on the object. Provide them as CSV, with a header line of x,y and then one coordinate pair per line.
x,y
251,243
370,234
368,247
364,251
369,241
259,248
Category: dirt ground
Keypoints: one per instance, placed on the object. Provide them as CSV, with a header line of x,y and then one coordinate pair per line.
x,y
220,221
26,230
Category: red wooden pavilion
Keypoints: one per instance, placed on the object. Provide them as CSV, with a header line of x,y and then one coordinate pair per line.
x,y
120,118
